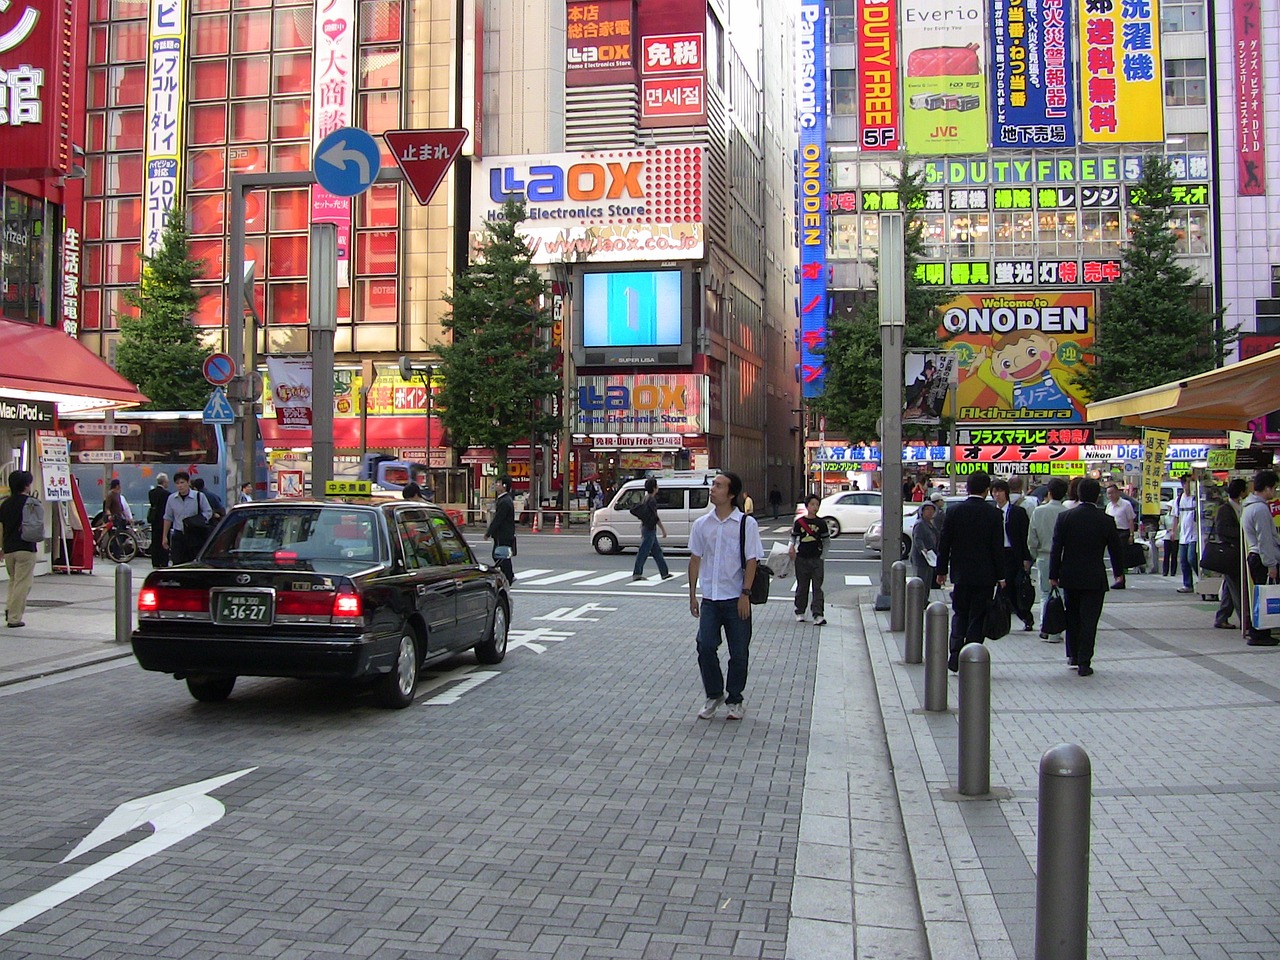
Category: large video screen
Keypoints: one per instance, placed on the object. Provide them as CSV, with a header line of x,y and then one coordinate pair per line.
x,y
633,308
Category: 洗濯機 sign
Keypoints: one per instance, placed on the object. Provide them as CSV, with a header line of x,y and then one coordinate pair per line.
x,y
602,206
1121,78
1018,354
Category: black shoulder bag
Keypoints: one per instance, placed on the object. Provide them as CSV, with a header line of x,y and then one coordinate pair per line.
x,y
760,585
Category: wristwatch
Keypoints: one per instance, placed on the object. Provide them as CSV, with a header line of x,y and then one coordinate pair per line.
x,y
746,591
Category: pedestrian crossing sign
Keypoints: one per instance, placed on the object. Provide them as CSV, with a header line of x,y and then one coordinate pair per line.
x,y
218,410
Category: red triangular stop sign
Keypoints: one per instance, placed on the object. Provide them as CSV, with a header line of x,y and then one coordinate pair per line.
x,y
424,157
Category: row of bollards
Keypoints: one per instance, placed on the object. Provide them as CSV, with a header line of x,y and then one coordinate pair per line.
x,y
1062,848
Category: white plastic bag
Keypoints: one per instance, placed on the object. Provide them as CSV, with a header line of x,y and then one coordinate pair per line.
x,y
779,560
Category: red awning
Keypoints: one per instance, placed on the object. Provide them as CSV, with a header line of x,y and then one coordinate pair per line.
x,y
46,364
382,432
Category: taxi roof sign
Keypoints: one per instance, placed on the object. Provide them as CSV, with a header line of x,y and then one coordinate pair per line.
x,y
348,488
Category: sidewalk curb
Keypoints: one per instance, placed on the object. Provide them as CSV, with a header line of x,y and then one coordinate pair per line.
x,y
938,841
92,660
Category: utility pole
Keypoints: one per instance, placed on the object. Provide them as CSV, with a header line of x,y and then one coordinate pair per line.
x,y
893,323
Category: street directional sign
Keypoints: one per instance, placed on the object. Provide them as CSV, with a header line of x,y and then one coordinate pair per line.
x,y
219,369
218,410
346,162
425,156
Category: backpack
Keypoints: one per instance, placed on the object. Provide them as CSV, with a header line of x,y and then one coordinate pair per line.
x,y
944,62
32,527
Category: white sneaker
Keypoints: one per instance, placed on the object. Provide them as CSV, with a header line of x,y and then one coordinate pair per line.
x,y
736,710
819,621
710,707
800,618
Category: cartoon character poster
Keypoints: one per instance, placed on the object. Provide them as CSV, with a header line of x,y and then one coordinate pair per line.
x,y
1018,354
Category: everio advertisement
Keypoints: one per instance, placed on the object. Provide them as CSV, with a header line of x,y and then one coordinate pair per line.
x,y
1017,355
945,82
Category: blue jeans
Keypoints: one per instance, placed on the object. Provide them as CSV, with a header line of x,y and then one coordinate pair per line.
x,y
649,545
1189,560
712,615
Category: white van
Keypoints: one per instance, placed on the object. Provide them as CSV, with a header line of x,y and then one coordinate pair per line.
x,y
682,498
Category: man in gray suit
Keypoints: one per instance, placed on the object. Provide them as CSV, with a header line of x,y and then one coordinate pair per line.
x,y
1040,539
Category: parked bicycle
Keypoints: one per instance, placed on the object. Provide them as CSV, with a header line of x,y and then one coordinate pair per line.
x,y
120,546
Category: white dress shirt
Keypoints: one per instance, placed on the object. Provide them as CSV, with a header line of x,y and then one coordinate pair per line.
x,y
715,543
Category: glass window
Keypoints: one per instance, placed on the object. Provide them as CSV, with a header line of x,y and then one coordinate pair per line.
x,y
870,236
287,256
420,547
209,80
1100,231
699,497
844,236
1182,16
128,42
380,206
844,93
211,35
255,211
120,262
933,232
292,30
97,95
290,119
124,129
95,174
251,76
249,31
287,303
380,112
91,309
98,43
376,300
844,28
379,67
290,209
210,251
209,312
202,6
247,158
376,252
206,169
379,20
1191,230
123,173
207,213
91,261
208,124
454,548
93,219
960,232
1185,83
248,122
128,85
292,74
290,157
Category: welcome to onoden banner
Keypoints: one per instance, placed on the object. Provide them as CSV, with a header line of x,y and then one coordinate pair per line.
x,y
1018,354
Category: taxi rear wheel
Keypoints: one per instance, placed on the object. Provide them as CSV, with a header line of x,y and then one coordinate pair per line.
x,y
394,690
211,689
833,526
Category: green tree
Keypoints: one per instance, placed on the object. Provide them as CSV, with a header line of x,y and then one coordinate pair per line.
x,y
1149,330
159,349
852,396
499,371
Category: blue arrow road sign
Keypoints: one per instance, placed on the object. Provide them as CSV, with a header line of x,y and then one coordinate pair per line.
x,y
217,410
346,162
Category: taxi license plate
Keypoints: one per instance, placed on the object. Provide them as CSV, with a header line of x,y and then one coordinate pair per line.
x,y
247,608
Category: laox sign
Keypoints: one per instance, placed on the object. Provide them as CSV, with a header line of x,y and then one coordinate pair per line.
x,y
548,183
645,396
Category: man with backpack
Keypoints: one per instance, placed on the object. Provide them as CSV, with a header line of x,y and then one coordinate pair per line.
x,y
808,538
646,511
22,522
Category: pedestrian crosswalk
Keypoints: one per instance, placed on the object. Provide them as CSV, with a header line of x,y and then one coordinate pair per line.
x,y
548,577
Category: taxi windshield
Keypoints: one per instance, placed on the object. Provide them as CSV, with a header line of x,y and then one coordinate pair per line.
x,y
297,535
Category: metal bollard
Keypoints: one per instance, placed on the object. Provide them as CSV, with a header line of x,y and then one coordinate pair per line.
x,y
897,595
1062,854
914,642
975,720
937,643
124,602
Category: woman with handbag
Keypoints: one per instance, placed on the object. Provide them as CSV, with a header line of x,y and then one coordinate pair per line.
x,y
1222,553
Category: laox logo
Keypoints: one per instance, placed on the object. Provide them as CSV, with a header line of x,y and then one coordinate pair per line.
x,y
644,396
582,181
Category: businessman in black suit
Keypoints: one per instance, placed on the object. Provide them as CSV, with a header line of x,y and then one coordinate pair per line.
x,y
972,547
1017,558
1080,537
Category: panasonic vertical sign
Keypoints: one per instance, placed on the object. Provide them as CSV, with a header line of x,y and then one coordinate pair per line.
x,y
811,181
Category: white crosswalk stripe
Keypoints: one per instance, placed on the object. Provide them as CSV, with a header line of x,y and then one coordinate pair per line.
x,y
858,580
656,578
523,575
558,578
606,578
546,576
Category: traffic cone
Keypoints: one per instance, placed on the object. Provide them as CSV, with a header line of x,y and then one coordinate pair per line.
x,y
535,529
557,529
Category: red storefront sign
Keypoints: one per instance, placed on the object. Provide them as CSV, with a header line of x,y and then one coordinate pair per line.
x,y
878,85
35,86
1251,129
598,43
676,97
672,61
1010,453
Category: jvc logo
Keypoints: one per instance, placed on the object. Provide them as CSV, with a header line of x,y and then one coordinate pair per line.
x,y
644,396
582,181
946,132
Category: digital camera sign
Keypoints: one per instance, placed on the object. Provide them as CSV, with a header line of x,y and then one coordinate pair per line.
x,y
634,317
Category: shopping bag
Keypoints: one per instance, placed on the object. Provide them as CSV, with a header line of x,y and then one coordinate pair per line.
x,y
779,560
998,618
1055,614
1266,606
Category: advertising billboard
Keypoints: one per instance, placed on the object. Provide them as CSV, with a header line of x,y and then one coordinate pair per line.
x,y
598,43
606,206
672,62
660,403
944,83
879,90
166,64
1017,355
35,92
811,185
332,108
633,315
1033,98
1251,129
1121,78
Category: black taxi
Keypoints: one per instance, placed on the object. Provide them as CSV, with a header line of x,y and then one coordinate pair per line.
x,y
325,589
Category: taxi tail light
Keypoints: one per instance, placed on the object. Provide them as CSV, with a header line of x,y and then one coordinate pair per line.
x,y
348,605
155,600
304,603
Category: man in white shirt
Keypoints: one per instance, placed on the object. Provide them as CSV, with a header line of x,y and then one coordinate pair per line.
x,y
1188,535
716,544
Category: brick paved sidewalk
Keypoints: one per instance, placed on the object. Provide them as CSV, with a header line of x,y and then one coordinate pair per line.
x,y
1180,722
